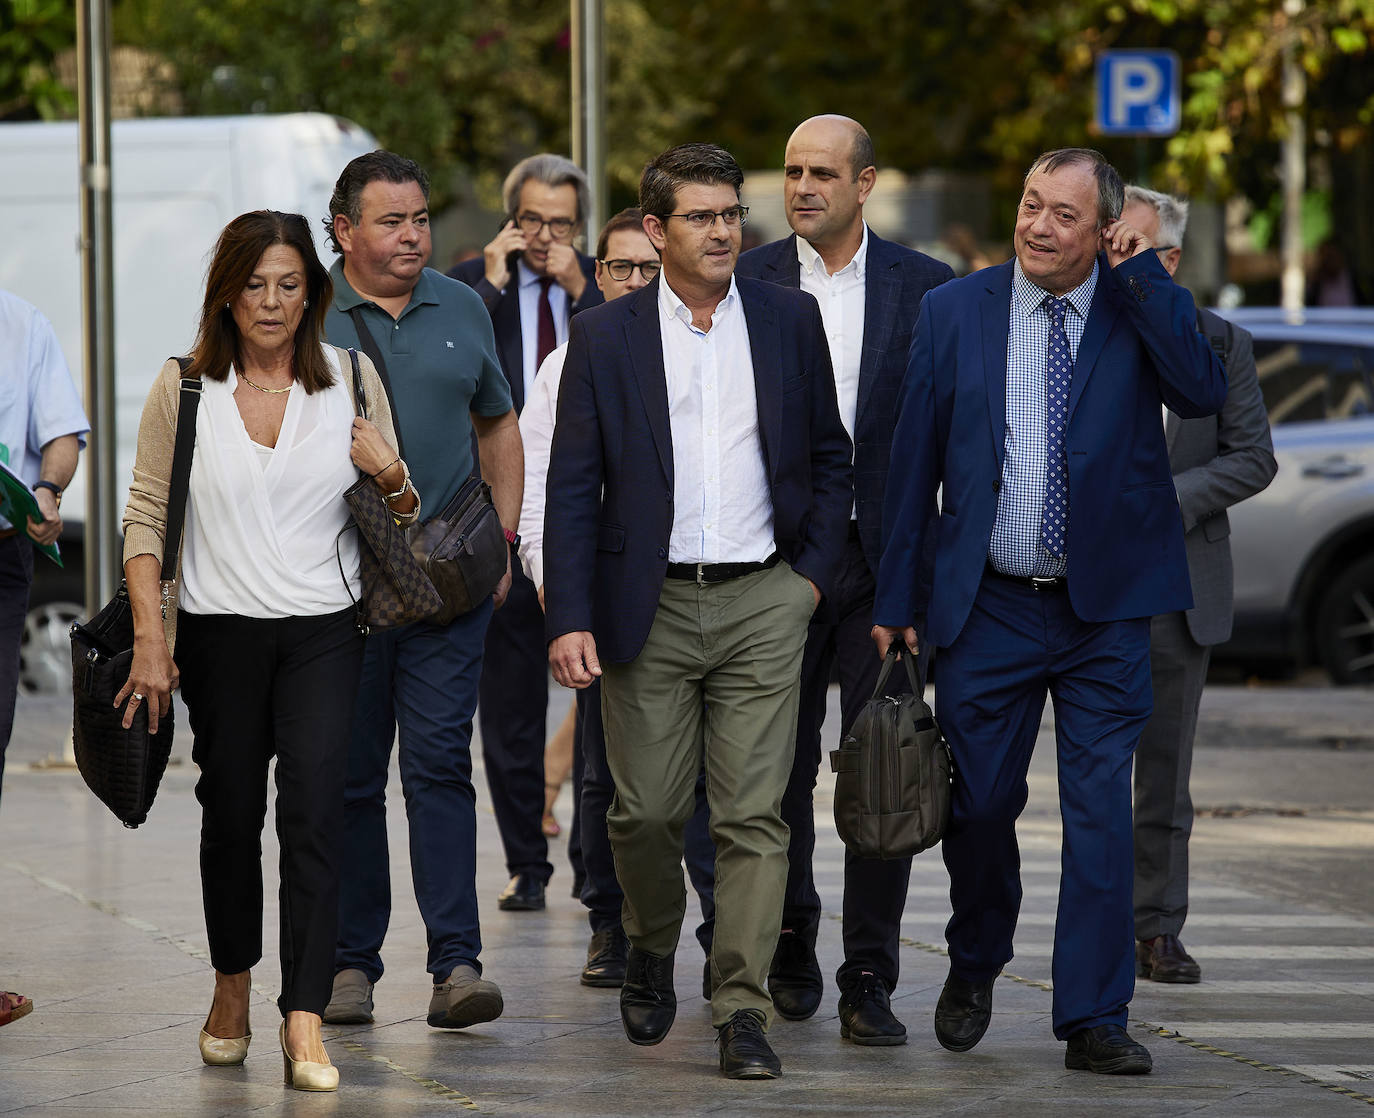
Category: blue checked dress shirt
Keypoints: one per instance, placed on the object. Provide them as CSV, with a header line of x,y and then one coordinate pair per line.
x,y
1016,547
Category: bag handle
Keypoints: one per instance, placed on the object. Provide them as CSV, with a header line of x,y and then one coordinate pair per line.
x,y
894,653
180,483
369,344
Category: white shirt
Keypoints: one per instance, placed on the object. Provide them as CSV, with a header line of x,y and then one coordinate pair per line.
x,y
536,432
261,523
723,509
529,319
841,297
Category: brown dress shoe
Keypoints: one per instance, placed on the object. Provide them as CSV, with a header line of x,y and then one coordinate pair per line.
x,y
1163,959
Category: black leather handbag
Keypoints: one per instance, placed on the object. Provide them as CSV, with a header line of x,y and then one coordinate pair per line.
x,y
893,772
124,767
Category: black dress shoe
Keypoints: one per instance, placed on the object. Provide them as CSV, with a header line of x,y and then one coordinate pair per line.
x,y
794,979
866,1014
648,1003
1163,959
744,1053
1107,1050
605,959
525,893
962,1013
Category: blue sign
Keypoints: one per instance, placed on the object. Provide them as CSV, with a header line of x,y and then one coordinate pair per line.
x,y
1138,93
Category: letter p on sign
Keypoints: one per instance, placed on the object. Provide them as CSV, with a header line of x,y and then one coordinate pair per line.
x,y
1138,93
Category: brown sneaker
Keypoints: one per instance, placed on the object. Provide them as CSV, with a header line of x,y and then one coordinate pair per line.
x,y
464,998
1163,959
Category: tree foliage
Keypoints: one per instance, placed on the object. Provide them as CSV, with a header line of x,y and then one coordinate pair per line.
x,y
32,34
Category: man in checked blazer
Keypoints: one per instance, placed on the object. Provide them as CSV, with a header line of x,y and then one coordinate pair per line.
x,y
869,292
1216,462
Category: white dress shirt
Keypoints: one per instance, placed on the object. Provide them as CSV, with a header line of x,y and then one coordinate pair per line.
x,y
536,432
529,319
262,523
723,508
841,298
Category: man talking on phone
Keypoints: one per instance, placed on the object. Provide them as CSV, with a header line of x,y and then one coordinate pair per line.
x,y
1032,396
532,281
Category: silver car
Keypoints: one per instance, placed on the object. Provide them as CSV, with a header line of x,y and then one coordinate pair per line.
x,y
1304,548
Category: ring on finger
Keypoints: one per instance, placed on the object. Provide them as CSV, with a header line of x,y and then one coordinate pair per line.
x,y
136,697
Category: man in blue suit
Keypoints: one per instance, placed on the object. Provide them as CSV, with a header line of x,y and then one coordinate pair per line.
x,y
698,490
869,292
1033,398
532,281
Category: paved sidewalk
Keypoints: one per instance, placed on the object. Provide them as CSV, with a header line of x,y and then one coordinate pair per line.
x,y
102,927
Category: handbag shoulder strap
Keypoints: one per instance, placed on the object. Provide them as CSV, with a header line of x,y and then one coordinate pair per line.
x,y
369,344
181,469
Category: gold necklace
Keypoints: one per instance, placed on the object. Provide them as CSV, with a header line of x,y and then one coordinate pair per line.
x,y
270,391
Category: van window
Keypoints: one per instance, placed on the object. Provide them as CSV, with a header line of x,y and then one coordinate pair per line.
x,y
1312,381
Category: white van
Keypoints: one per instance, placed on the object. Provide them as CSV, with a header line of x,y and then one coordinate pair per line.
x,y
177,183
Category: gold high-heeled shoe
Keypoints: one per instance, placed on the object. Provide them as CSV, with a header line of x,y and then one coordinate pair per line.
x,y
223,1052
303,1075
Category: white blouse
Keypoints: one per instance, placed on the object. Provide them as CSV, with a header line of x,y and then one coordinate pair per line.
x,y
262,522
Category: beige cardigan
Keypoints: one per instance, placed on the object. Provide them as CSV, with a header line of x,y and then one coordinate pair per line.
x,y
145,516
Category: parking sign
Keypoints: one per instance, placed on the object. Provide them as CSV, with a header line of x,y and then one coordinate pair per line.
x,y
1138,93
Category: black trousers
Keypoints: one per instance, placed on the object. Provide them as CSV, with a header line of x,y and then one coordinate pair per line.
x,y
16,575
512,710
874,889
256,689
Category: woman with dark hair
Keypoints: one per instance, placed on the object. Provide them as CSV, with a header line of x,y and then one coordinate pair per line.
x,y
267,652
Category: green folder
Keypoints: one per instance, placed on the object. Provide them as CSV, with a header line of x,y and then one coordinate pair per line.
x,y
18,506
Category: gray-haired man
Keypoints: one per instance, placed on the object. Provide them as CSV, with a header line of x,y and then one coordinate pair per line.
x,y
532,281
1216,462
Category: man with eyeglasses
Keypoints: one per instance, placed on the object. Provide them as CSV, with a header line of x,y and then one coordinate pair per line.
x,y
869,292
532,281
698,490
626,260
1216,461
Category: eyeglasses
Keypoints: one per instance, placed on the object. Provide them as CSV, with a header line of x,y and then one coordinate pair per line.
x,y
531,224
621,270
702,220
1165,248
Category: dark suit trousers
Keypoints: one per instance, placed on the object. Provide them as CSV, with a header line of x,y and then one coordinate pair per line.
x,y
257,689
1017,645
601,892
874,889
16,575
512,706
1163,763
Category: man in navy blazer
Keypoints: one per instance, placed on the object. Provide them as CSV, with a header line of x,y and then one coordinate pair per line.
x,y
532,281
698,490
869,292
1033,397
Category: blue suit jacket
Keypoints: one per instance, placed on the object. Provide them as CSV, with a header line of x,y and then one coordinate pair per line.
x,y
504,308
609,509
1125,536
895,280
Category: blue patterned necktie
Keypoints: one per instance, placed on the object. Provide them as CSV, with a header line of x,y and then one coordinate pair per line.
x,y
1058,371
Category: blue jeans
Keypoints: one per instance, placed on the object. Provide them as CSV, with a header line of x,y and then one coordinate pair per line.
x,y
421,679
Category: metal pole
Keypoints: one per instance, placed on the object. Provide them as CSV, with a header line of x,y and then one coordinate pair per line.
x,y
97,297
589,106
1294,162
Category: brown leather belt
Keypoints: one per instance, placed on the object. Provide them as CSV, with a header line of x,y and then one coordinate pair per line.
x,y
6,533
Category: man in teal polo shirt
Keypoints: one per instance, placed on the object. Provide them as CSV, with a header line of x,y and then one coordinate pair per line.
x,y
434,337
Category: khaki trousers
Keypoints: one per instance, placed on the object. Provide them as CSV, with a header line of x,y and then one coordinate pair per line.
x,y
716,682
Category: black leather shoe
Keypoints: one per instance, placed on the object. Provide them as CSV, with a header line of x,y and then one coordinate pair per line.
x,y
866,1014
1163,959
794,979
605,959
525,893
648,1003
744,1053
1107,1050
962,1013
